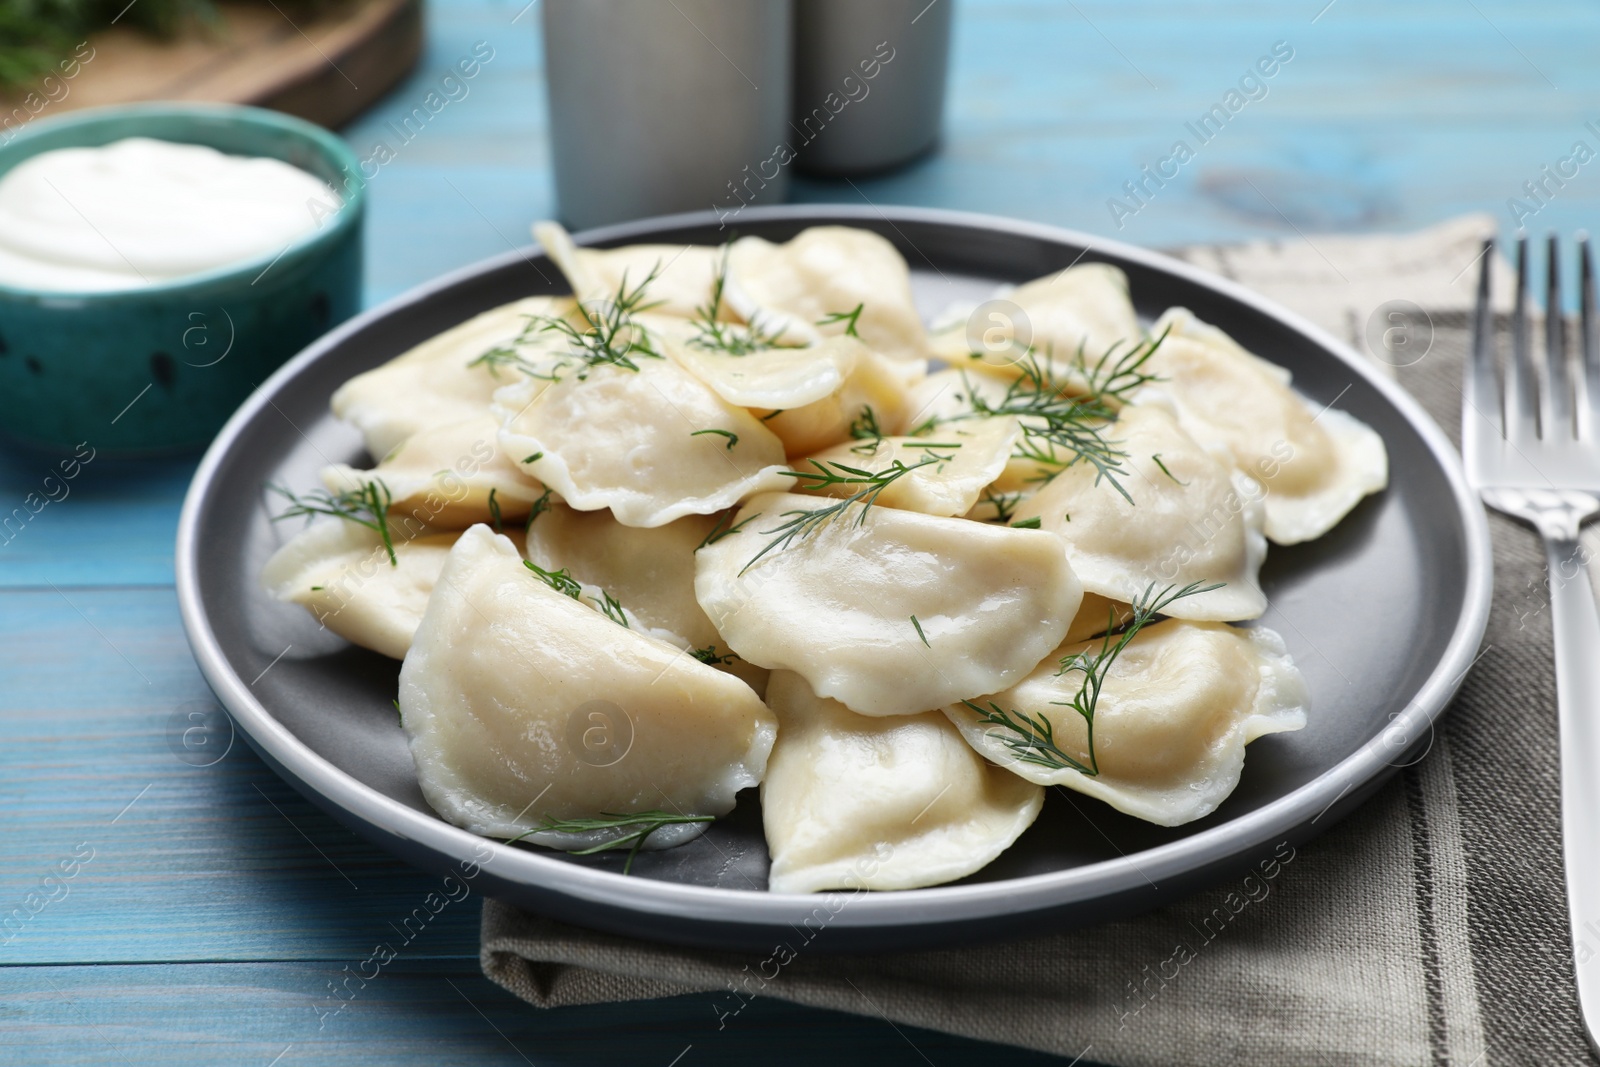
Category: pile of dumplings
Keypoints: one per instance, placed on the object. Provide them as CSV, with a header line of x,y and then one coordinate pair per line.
x,y
733,517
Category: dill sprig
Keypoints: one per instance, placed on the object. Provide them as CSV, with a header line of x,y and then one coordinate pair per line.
x,y
710,657
865,427
564,583
1035,735
849,318
802,524
611,609
732,437
716,336
540,506
638,827
561,581
367,506
494,512
608,336
1155,458
722,529
1005,504
1064,417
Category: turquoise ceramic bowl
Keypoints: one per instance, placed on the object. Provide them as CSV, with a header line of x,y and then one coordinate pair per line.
x,y
160,368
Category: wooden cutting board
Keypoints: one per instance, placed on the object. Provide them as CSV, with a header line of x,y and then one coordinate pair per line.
x,y
327,69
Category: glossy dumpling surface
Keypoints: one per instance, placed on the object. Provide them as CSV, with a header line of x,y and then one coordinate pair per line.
x,y
771,379
437,383
683,274
341,573
1193,518
653,444
521,703
823,271
443,476
649,569
851,801
1083,307
1315,463
872,382
952,465
1175,712
836,607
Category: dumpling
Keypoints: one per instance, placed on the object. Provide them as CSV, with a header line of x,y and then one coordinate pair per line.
x,y
1174,714
1097,615
684,274
1315,465
828,271
443,476
1193,518
436,383
522,703
890,803
889,612
771,379
652,444
650,570
341,573
872,382
1084,307
953,465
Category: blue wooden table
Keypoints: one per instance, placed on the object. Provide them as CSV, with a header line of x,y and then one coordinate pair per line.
x,y
205,916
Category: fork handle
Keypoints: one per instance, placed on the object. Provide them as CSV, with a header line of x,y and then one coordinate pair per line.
x,y
1576,621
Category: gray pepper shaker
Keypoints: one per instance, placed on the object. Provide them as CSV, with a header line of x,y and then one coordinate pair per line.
x,y
869,82
659,106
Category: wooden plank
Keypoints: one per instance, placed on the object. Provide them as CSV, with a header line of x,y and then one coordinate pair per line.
x,y
326,69
429,1014
186,862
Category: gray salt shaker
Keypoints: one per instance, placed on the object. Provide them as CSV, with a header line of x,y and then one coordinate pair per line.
x,y
869,82
660,106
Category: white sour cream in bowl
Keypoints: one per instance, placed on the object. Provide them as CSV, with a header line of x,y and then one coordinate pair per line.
x,y
141,212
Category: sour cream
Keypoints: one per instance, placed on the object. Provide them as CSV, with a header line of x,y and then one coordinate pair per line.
x,y
140,212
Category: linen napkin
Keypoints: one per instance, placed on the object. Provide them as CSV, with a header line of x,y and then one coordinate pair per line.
x,y
1427,928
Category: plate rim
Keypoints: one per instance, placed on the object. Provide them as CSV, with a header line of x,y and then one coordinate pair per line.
x,y
934,906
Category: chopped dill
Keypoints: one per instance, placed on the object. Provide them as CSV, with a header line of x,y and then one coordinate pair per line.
x,y
1004,504
709,657
608,337
714,335
802,524
849,318
640,826
732,437
611,609
367,506
1034,740
720,530
920,634
1027,524
561,581
1156,458
494,512
536,457
540,506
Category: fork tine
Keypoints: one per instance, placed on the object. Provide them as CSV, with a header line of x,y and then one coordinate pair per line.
x,y
1558,400
1589,368
1481,388
1522,379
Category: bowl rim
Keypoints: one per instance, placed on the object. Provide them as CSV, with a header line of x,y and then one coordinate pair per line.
x,y
1287,817
334,149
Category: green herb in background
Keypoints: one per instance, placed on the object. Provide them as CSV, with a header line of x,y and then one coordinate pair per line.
x,y
36,36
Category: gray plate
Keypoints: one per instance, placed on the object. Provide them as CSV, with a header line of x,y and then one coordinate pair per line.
x,y
1383,615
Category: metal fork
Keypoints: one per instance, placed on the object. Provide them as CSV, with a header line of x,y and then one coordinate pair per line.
x,y
1535,455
